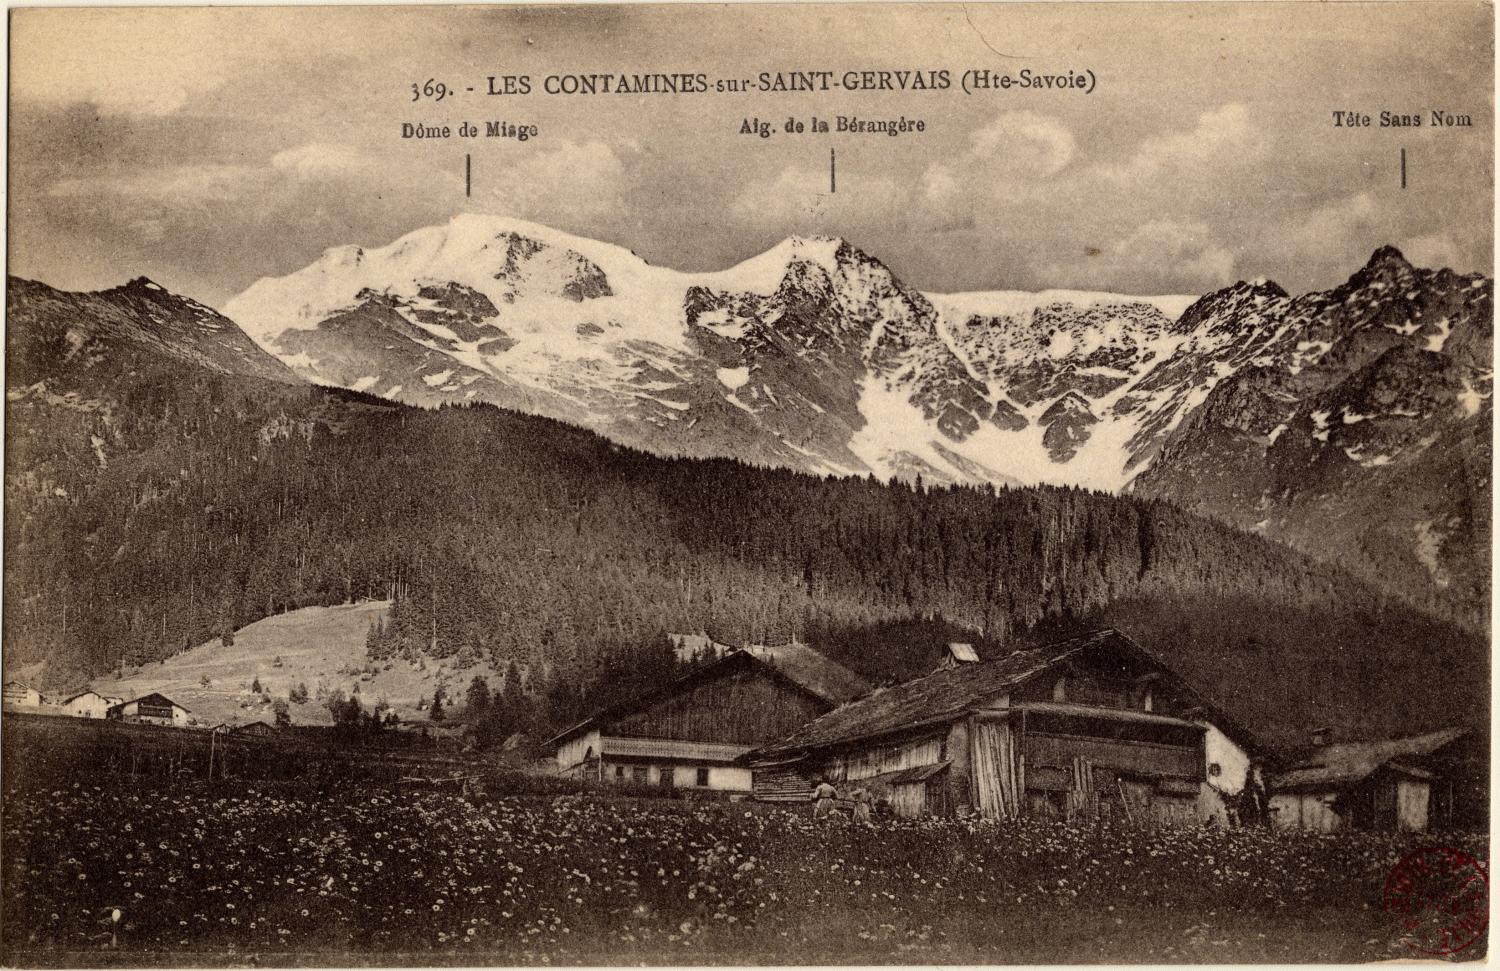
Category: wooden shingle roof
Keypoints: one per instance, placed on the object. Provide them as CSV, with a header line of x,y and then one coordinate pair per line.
x,y
949,693
941,696
812,671
798,664
1349,763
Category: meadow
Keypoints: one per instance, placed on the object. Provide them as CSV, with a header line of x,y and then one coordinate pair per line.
x,y
126,870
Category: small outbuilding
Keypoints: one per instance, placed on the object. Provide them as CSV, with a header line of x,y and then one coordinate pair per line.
x,y
956,653
152,709
255,729
1405,784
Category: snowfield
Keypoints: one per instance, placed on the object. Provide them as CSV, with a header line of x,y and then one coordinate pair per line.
x,y
1064,387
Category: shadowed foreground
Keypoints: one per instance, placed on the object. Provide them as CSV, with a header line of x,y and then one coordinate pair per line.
x,y
236,873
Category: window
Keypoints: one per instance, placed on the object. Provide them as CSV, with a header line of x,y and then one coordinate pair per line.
x,y
703,777
638,774
619,772
667,777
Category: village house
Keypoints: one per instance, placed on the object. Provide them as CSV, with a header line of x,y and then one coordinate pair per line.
x,y
1087,726
690,733
1409,784
20,694
151,709
89,704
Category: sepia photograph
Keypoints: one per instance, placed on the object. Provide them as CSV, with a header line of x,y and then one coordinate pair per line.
x,y
747,485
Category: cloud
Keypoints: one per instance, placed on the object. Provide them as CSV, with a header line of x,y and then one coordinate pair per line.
x,y
182,185
1433,251
1161,256
323,161
1224,135
122,61
1330,226
567,181
791,196
1014,149
797,199
1024,143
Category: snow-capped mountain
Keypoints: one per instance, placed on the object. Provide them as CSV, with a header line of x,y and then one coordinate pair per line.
x,y
1247,403
812,355
1356,423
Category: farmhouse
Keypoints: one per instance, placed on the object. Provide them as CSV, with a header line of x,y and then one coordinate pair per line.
x,y
20,694
89,704
1409,784
689,733
1083,727
152,709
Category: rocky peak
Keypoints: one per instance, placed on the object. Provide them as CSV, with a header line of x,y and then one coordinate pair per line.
x,y
1224,303
1386,266
1387,257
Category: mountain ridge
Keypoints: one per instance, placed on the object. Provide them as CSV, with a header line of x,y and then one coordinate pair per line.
x,y
155,502
814,356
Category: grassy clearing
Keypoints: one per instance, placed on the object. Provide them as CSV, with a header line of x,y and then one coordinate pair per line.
x,y
316,646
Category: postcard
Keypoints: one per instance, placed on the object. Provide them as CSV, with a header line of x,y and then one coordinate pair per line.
x,y
749,484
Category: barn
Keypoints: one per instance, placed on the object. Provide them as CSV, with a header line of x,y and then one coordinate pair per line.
x,y
20,694
89,704
152,709
1409,784
1090,726
257,729
690,733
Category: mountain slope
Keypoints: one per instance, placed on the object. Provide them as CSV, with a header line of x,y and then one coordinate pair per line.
x,y
128,329
811,356
318,647
1360,429
512,539
814,356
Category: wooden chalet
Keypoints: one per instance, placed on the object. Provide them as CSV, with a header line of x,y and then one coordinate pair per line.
x,y
1088,726
1409,784
152,709
690,733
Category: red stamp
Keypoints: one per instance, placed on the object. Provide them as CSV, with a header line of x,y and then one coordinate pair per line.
x,y
1442,898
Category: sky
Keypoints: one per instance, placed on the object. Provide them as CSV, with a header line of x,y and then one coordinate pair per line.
x,y
206,148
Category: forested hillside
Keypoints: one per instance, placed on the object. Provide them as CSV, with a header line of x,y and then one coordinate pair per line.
x,y
154,502
519,539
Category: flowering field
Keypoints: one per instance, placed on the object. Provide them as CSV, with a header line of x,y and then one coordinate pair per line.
x,y
127,868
